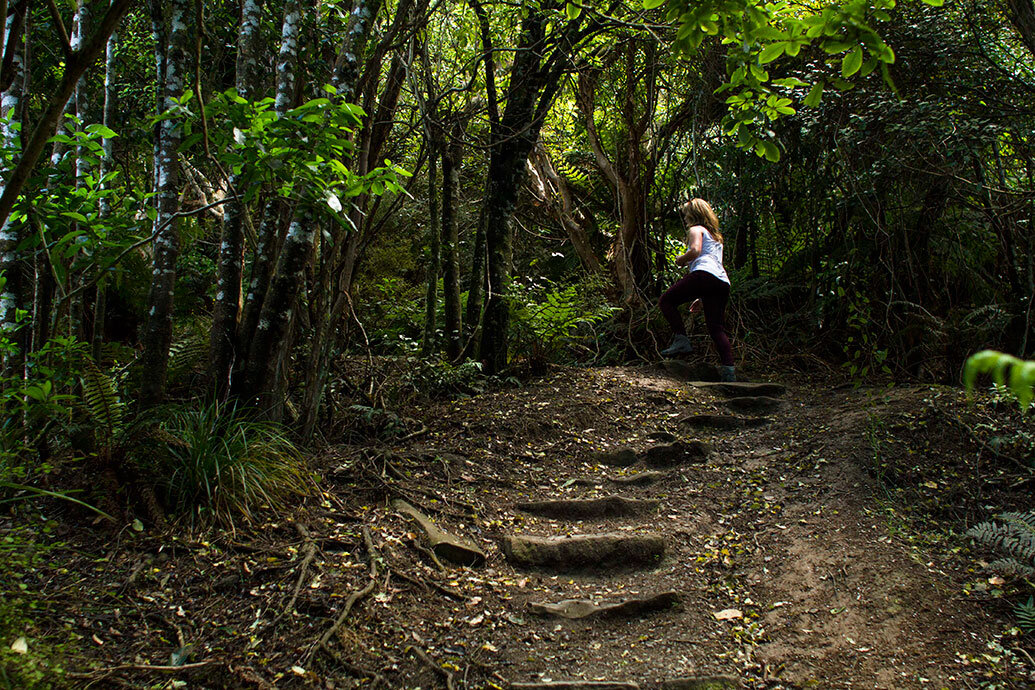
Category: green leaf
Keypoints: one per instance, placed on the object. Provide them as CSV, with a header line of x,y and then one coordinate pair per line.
x,y
771,52
651,4
935,3
572,10
816,93
772,152
852,62
103,131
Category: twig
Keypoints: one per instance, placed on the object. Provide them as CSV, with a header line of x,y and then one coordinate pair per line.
x,y
310,552
414,434
356,670
140,667
445,673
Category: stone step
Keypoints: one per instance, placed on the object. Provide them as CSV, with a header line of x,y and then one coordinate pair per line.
x,y
678,453
579,509
584,608
739,388
722,422
584,550
754,403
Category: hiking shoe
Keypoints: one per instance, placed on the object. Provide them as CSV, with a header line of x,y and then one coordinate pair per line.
x,y
727,374
680,346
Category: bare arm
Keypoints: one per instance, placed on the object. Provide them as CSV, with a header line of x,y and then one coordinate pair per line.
x,y
694,242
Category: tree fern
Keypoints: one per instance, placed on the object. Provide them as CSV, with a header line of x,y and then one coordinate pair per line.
x,y
1014,535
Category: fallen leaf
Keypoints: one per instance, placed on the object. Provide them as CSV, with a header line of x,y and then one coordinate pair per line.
x,y
727,614
20,646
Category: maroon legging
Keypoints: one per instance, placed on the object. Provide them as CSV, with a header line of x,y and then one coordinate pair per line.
x,y
714,294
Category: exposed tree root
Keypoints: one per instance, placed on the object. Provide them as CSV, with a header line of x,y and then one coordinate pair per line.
x,y
445,673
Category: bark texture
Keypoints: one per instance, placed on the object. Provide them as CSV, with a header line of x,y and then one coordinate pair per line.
x,y
227,308
157,334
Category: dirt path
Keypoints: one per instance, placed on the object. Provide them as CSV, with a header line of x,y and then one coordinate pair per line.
x,y
788,570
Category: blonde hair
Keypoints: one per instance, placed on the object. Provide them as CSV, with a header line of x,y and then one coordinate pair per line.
x,y
699,212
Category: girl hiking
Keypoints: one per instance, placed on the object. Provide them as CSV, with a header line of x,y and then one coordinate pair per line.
x,y
706,285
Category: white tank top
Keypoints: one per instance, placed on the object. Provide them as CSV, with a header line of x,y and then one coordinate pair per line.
x,y
710,259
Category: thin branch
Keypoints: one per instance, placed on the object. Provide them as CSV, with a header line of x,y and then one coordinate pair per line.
x,y
59,26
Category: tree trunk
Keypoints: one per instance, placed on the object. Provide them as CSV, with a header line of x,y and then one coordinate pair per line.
x,y
227,307
435,242
535,79
477,278
12,264
451,157
157,334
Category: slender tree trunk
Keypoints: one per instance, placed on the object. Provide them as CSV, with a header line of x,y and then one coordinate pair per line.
x,y
451,157
12,264
104,207
477,277
157,334
227,308
435,242
83,167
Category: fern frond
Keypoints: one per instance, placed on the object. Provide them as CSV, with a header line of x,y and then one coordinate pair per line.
x,y
1015,536
101,399
1026,615
1011,567
185,354
1022,520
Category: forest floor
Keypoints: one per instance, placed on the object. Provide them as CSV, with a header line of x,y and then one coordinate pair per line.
x,y
821,548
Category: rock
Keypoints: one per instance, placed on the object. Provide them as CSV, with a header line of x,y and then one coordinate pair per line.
x,y
578,685
702,683
739,388
615,458
610,506
672,454
442,543
662,436
722,422
584,550
639,479
754,403
691,372
583,608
